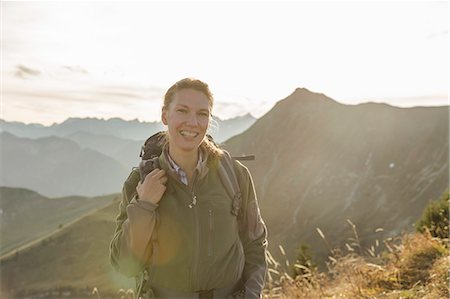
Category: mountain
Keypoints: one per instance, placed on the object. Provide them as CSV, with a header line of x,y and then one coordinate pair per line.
x,y
117,127
132,130
124,151
55,166
319,163
72,262
24,130
26,215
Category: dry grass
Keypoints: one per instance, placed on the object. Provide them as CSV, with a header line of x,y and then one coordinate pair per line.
x,y
414,266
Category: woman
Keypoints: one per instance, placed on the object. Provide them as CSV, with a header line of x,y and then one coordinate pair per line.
x,y
176,234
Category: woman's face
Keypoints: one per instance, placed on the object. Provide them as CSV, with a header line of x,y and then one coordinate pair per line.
x,y
187,119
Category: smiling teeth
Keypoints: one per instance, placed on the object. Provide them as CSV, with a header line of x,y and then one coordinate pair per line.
x,y
188,134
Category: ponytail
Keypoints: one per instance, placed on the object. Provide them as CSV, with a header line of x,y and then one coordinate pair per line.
x,y
213,150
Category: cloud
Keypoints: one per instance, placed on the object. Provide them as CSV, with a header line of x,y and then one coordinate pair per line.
x,y
228,106
50,99
104,93
24,72
75,69
82,95
439,34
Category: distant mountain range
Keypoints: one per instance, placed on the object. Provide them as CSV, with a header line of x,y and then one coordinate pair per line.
x,y
116,127
319,163
55,166
82,156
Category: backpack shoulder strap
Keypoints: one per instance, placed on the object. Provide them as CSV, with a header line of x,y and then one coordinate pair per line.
x,y
150,151
147,166
229,180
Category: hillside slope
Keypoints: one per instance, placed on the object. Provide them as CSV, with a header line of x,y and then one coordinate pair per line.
x,y
76,260
26,215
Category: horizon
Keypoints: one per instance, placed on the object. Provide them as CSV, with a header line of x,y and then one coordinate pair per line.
x,y
115,117
120,60
221,118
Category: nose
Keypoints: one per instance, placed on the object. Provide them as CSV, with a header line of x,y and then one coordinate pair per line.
x,y
192,120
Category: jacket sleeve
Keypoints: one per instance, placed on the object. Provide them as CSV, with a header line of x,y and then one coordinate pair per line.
x,y
130,248
253,233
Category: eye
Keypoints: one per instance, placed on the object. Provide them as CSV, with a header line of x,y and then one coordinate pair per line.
x,y
203,114
182,110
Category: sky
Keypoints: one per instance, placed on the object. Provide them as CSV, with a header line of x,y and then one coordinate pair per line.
x,y
117,59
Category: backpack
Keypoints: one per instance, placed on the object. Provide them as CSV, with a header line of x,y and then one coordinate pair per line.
x,y
150,152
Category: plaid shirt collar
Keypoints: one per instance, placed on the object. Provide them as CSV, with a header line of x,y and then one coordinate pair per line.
x,y
179,171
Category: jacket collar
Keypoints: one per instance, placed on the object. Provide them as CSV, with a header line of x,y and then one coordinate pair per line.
x,y
168,164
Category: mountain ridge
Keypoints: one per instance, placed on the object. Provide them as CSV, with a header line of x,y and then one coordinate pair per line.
x,y
133,130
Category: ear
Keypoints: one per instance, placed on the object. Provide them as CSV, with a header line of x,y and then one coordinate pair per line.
x,y
164,115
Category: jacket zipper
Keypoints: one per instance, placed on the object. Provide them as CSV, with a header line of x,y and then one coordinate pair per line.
x,y
196,258
194,201
210,241
194,197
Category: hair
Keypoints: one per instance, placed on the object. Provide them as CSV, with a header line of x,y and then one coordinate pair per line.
x,y
188,83
210,147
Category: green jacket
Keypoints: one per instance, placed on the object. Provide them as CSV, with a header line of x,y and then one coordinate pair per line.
x,y
192,249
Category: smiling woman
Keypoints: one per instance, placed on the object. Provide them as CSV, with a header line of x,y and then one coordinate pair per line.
x,y
180,231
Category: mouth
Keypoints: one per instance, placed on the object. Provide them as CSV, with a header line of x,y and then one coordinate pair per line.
x,y
188,134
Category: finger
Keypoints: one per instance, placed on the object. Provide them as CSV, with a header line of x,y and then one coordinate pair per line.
x,y
159,174
163,180
161,189
154,175
154,171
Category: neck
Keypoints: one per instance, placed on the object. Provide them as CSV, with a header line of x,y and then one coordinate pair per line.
x,y
186,160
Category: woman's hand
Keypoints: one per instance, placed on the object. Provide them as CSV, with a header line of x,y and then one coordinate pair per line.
x,y
153,187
